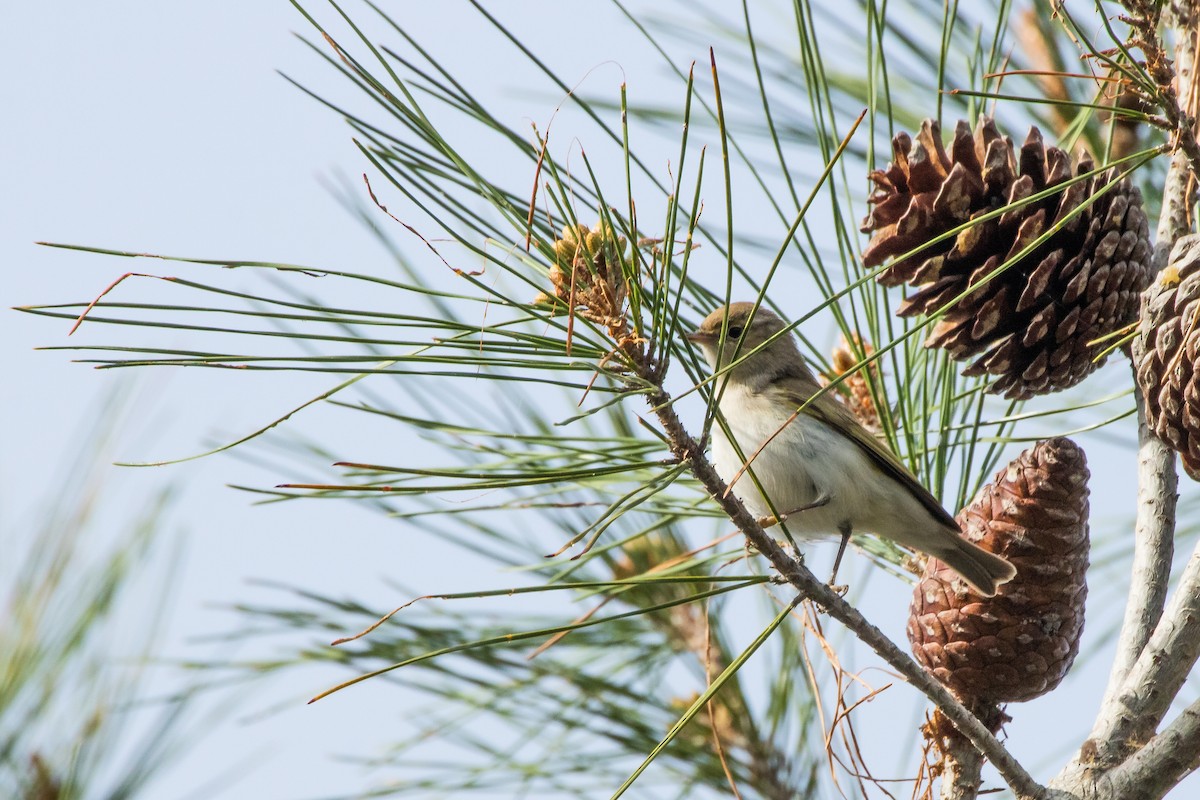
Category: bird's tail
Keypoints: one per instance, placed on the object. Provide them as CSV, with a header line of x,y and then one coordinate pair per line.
x,y
983,570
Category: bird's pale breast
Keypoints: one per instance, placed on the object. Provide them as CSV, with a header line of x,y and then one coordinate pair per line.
x,y
805,459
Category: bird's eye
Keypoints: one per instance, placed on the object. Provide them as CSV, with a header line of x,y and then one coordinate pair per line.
x,y
735,331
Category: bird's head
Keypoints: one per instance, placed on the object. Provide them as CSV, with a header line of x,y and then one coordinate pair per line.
x,y
755,339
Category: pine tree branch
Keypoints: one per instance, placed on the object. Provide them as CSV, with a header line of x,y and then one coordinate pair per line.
x,y
1156,677
1180,16
961,764
1159,766
685,448
1157,476
962,769
1154,547
1156,650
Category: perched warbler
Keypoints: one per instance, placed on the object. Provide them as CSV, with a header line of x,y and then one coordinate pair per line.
x,y
822,470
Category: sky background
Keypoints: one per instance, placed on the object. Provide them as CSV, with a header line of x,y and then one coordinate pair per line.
x,y
165,128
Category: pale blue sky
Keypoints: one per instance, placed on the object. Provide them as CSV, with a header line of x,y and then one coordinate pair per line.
x,y
163,127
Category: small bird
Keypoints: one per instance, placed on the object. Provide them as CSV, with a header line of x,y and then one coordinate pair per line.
x,y
823,471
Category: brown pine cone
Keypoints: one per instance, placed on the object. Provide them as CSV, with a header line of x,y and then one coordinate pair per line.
x,y
1167,353
1019,644
1030,326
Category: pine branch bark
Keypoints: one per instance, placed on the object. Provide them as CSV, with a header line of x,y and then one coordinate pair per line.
x,y
962,771
1158,643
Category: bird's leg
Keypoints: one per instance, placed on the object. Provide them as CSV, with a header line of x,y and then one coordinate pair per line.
x,y
770,521
844,528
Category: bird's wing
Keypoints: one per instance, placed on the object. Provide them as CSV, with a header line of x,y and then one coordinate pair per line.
x,y
828,410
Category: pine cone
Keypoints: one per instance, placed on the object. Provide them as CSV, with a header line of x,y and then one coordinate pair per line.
x,y
1019,644
855,392
1031,325
587,275
1167,353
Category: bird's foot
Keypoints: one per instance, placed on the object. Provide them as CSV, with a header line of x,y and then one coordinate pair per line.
x,y
772,520
837,561
838,589
822,500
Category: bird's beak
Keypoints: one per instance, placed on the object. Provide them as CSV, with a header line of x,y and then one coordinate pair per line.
x,y
699,337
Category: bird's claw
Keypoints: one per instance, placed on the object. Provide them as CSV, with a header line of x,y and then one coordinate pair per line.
x,y
772,520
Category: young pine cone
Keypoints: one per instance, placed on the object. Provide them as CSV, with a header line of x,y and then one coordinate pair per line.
x,y
856,394
1167,354
587,273
1032,325
1019,644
